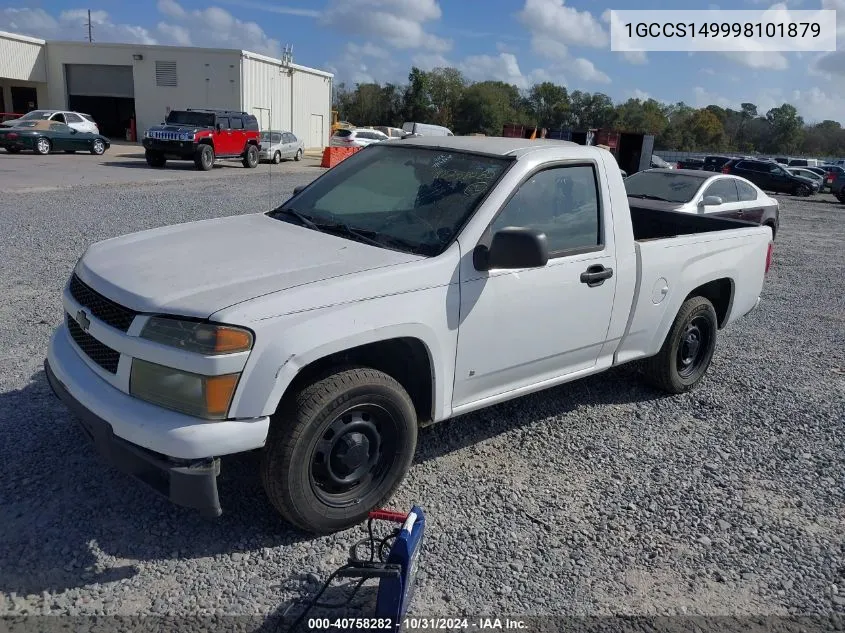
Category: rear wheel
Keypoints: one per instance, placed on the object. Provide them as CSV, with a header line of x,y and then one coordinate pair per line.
x,y
250,159
43,146
155,159
204,158
298,155
688,349
803,191
338,449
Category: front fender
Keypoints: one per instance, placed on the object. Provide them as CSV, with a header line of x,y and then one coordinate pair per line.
x,y
297,340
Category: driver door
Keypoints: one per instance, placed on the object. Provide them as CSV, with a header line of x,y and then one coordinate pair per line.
x,y
522,327
724,188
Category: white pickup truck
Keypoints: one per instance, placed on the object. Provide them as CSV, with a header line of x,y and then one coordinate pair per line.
x,y
415,281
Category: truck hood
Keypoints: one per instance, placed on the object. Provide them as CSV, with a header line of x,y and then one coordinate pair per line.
x,y
199,268
177,128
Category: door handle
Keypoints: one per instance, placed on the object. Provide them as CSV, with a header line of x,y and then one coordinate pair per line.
x,y
596,275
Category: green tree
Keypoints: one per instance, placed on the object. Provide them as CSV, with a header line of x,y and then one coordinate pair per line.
x,y
445,89
548,104
486,107
417,102
786,128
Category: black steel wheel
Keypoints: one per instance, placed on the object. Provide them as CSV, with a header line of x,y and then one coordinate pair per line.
x,y
204,158
687,350
338,449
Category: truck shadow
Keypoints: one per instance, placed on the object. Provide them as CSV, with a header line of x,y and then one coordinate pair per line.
x,y
176,165
68,520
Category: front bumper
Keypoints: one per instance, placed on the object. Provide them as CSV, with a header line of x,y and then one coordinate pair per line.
x,y
171,149
188,483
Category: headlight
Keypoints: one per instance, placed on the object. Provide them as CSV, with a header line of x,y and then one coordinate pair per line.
x,y
200,338
186,136
147,134
206,397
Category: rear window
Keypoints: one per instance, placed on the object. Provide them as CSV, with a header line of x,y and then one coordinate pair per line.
x,y
196,119
668,186
342,133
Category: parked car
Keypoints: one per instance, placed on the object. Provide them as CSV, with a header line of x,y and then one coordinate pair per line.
x,y
818,181
656,161
783,160
391,132
715,163
44,136
276,146
690,163
79,121
804,162
769,176
203,136
425,129
703,193
831,174
359,137
327,331
837,185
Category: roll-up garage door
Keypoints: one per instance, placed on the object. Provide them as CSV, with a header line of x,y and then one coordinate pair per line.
x,y
100,80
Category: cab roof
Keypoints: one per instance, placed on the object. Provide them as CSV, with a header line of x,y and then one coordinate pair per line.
x,y
487,144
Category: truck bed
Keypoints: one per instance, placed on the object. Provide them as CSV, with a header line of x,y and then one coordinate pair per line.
x,y
650,224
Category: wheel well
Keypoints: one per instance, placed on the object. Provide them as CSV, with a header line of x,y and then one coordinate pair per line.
x,y
404,359
771,225
206,141
720,293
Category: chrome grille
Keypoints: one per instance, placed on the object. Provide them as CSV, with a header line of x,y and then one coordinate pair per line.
x,y
162,135
102,354
104,309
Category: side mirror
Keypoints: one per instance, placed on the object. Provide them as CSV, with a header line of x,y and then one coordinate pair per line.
x,y
513,248
711,201
298,189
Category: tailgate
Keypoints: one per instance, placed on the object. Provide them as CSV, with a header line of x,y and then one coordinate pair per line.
x,y
669,269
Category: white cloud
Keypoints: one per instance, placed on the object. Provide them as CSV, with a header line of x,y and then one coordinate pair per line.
x,y
765,99
70,25
759,60
639,94
817,105
272,8
176,34
501,67
635,57
586,70
554,20
171,8
707,71
366,63
400,23
430,61
549,47
702,98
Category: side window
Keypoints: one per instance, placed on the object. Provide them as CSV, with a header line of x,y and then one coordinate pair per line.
x,y
562,202
750,166
724,188
59,127
746,191
58,117
70,117
277,138
223,122
287,138
237,123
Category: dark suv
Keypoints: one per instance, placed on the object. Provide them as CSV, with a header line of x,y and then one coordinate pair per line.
x,y
769,176
203,136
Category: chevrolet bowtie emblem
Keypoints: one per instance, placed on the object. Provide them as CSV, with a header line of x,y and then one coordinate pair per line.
x,y
83,320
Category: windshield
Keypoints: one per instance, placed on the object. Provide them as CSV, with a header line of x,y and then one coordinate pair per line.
x,y
195,119
668,186
407,198
35,115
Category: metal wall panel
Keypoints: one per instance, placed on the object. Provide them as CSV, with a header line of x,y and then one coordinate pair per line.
x,y
23,59
100,80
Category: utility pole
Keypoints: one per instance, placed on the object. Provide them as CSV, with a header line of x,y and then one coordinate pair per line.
x,y
90,28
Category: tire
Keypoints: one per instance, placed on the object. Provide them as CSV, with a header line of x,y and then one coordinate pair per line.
x,y
13,150
204,158
803,191
155,159
840,195
298,155
43,146
669,369
277,158
98,148
301,454
250,159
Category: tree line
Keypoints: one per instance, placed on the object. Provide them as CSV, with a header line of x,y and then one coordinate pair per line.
x,y
445,97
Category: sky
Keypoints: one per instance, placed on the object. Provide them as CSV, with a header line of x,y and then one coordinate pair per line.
x,y
518,41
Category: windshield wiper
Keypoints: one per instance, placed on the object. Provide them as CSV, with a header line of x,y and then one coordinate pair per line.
x,y
361,235
303,219
647,196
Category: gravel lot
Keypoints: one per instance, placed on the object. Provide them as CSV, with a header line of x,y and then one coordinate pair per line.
x,y
598,497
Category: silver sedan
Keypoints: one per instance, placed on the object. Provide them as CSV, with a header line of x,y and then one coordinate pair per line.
x,y
276,146
702,192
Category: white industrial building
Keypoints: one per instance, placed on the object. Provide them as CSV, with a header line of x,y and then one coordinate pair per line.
x,y
116,82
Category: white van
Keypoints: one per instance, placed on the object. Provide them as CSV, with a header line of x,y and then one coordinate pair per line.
x,y
805,162
426,129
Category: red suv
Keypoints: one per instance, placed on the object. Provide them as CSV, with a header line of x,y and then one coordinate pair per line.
x,y
203,136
